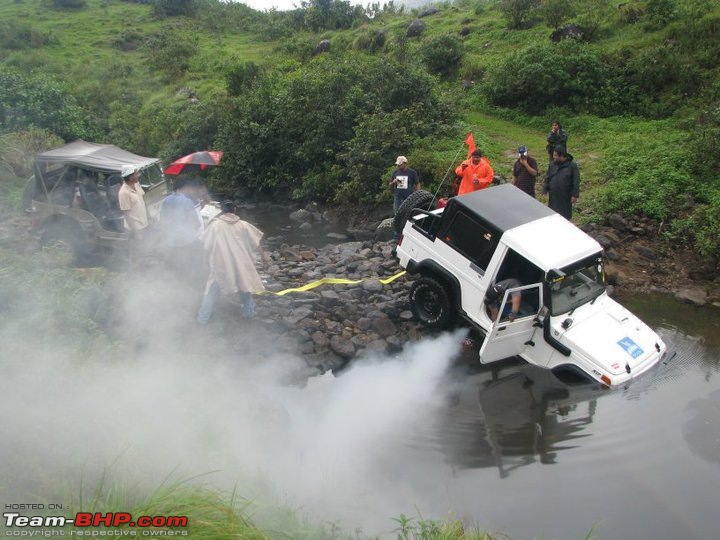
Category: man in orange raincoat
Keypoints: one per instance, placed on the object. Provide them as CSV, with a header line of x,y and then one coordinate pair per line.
x,y
474,173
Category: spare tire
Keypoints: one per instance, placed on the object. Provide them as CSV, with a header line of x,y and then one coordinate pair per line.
x,y
424,200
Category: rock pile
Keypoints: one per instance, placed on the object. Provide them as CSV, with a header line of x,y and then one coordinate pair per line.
x,y
332,323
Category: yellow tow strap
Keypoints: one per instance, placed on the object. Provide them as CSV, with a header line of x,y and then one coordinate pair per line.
x,y
335,281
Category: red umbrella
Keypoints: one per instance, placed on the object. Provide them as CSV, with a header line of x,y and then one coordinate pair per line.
x,y
202,159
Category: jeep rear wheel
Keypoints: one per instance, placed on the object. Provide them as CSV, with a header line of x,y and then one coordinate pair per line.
x,y
431,303
61,242
417,199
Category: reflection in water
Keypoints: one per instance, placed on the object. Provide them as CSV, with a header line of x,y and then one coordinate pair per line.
x,y
702,429
514,419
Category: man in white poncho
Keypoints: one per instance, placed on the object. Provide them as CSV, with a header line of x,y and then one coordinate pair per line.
x,y
231,245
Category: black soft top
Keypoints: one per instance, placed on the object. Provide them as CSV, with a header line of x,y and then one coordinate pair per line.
x,y
502,207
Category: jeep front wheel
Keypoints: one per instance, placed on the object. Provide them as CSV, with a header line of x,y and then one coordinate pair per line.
x,y
431,303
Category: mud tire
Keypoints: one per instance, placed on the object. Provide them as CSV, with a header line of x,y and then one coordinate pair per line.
x,y
421,199
432,304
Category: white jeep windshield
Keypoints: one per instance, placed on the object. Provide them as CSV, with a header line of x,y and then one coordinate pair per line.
x,y
581,283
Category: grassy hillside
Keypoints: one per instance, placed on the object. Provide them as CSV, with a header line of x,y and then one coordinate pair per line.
x,y
638,92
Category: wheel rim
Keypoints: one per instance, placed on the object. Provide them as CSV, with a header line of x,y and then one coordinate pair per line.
x,y
428,304
59,251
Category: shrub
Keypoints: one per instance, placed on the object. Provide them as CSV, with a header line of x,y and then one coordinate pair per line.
x,y
294,132
658,13
170,50
442,54
241,77
172,8
556,12
567,74
16,36
69,4
517,12
32,100
630,13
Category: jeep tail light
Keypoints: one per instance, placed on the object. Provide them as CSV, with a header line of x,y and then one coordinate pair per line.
x,y
606,380
400,240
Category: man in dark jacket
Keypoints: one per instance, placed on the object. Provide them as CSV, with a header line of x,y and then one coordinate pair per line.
x,y
562,182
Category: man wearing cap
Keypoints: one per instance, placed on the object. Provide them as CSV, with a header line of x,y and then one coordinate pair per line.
x,y
525,170
404,181
562,183
474,173
495,294
131,201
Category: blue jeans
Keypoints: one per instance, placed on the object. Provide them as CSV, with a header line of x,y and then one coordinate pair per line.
x,y
211,297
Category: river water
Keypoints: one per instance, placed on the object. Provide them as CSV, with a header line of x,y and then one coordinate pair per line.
x,y
513,451
518,453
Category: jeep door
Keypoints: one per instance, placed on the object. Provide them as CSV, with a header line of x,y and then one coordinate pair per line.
x,y
511,338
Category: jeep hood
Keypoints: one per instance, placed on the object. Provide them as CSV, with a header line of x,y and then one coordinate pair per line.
x,y
611,337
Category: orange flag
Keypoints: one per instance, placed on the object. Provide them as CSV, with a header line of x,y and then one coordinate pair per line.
x,y
470,142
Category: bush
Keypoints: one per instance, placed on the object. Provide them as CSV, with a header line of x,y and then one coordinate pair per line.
x,y
297,132
556,12
170,50
646,176
658,13
442,54
567,74
69,4
173,8
16,36
517,12
42,102
241,77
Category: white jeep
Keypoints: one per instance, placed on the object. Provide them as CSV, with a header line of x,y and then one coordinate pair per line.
x,y
566,321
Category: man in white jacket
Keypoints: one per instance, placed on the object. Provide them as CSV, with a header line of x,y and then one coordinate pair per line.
x,y
231,245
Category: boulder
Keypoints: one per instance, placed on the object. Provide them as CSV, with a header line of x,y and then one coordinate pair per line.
x,y
695,296
569,31
415,28
322,47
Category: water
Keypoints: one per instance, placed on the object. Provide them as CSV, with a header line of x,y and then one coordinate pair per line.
x,y
514,451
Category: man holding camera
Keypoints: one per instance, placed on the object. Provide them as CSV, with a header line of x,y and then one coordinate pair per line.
x,y
525,171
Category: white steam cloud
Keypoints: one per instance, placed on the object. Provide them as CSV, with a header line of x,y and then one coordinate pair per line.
x,y
187,404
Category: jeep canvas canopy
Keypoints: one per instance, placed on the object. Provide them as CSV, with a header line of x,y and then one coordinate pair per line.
x,y
105,158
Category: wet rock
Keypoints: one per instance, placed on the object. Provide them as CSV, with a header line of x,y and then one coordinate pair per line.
x,y
694,296
372,285
612,255
384,231
604,241
301,216
645,252
384,327
617,222
342,347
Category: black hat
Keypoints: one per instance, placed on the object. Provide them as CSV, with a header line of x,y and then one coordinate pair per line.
x,y
522,149
493,293
228,206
